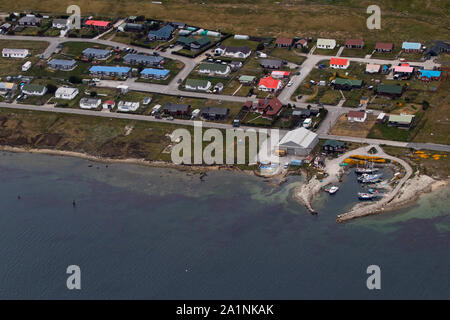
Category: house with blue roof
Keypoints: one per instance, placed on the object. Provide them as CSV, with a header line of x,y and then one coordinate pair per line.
x,y
62,64
412,46
429,75
96,53
110,71
159,74
164,33
143,59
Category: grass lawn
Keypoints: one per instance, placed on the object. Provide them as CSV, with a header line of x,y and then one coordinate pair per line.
x,y
254,118
76,48
326,52
231,42
344,127
174,66
436,126
13,66
401,20
411,56
383,131
287,54
368,49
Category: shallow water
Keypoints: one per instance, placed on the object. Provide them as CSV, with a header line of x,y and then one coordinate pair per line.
x,y
151,233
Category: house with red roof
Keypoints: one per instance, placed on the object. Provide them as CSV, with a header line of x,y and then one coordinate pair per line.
x,y
269,84
108,105
269,107
98,24
384,47
339,63
283,42
354,43
357,116
301,43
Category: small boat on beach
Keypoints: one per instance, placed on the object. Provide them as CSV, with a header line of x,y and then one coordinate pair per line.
x,y
366,196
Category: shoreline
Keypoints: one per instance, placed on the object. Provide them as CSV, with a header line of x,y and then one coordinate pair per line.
x,y
414,189
142,162
411,190
407,191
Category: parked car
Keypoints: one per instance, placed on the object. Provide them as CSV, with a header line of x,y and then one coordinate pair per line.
x,y
236,123
171,46
155,53
169,118
290,83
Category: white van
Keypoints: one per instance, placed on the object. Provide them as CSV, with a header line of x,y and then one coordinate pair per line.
x,y
307,123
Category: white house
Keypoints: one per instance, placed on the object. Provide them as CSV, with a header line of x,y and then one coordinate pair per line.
x,y
126,106
197,84
326,44
233,52
299,142
339,63
357,116
15,53
214,68
108,105
66,93
89,103
60,23
34,89
373,68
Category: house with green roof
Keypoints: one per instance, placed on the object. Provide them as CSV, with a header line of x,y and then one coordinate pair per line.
x,y
331,146
34,89
246,79
346,84
214,68
192,43
197,84
389,90
401,120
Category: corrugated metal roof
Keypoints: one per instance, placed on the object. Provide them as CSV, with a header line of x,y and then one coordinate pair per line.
x,y
109,69
156,72
301,137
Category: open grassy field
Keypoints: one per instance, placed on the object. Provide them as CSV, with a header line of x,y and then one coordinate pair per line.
x,y
436,126
401,19
436,167
344,127
97,136
12,66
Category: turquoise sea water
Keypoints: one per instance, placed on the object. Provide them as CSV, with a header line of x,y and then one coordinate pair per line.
x,y
151,233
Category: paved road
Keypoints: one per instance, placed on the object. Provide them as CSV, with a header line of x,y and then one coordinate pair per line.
x,y
170,90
